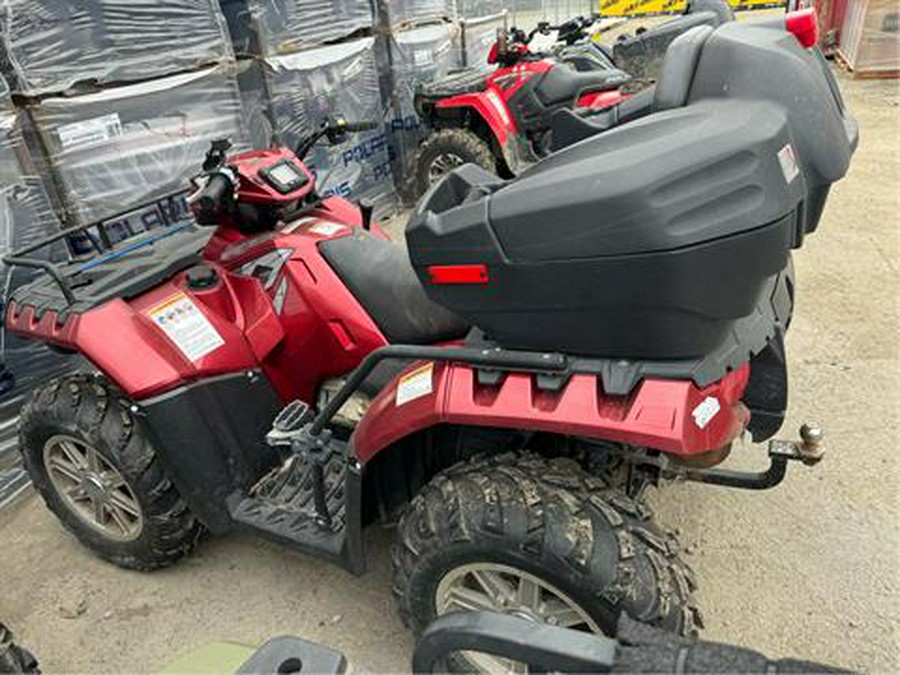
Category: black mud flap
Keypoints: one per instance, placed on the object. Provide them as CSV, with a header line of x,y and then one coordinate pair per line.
x,y
210,436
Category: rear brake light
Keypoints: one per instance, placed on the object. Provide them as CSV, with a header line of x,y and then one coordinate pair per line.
x,y
804,25
458,274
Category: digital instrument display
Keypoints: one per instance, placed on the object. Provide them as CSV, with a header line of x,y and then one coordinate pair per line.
x,y
284,177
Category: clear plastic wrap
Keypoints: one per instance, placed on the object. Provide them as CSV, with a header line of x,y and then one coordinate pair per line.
x,y
420,56
26,216
251,79
340,79
476,9
411,13
127,146
52,46
276,27
476,37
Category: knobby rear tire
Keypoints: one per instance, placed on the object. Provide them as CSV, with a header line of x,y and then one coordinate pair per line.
x,y
550,518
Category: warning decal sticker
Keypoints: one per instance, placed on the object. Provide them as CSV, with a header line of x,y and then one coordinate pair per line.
x,y
704,412
415,384
788,162
185,325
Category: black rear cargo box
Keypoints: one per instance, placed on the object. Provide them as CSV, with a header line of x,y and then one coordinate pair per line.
x,y
651,240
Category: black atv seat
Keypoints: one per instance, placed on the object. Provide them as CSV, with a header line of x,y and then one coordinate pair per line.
x,y
381,278
466,81
562,84
670,91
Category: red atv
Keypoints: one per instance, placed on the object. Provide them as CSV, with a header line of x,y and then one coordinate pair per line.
x,y
507,388
502,121
498,120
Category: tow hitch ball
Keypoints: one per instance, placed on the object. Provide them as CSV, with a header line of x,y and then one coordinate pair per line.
x,y
809,449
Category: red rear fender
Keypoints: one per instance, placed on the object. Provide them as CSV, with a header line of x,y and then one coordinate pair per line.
x,y
674,416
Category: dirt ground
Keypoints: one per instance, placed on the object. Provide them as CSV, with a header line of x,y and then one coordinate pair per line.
x,y
809,569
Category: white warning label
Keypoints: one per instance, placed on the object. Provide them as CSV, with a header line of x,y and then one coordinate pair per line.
x,y
186,326
326,229
788,162
90,131
704,412
415,384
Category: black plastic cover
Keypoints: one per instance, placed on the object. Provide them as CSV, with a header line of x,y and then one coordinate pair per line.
x,y
666,181
288,654
653,239
738,62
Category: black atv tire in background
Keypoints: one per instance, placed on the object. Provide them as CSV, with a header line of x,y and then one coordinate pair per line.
x,y
93,464
14,659
547,520
442,152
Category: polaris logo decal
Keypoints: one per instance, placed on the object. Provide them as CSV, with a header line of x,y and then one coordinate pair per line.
x,y
704,413
788,161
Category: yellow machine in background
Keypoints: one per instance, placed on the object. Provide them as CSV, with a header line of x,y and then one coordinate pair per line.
x,y
613,8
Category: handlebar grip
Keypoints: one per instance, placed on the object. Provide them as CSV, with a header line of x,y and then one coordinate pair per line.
x,y
215,190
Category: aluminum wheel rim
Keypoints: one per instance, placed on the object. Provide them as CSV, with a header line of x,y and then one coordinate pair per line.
x,y
507,590
92,488
443,164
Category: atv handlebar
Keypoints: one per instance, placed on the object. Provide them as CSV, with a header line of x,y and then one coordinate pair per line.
x,y
335,128
210,196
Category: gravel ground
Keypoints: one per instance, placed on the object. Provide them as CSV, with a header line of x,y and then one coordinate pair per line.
x,y
809,569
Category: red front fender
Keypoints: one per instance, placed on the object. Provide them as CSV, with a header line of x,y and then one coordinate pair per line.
x,y
490,106
674,416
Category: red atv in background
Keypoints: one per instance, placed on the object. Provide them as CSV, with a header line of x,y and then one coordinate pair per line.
x,y
506,386
499,119
502,120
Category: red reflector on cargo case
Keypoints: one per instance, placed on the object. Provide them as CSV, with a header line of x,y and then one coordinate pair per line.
x,y
804,25
458,274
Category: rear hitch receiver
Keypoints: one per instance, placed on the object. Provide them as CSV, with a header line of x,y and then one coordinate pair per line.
x,y
809,449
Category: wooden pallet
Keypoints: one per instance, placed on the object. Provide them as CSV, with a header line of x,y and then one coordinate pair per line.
x,y
845,65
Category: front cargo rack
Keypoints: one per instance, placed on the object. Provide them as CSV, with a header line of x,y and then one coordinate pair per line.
x,y
81,282
58,289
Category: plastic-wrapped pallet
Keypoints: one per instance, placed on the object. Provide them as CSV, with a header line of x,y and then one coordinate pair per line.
x,y
252,82
403,14
26,215
341,79
53,46
26,210
476,9
274,27
418,56
127,146
476,37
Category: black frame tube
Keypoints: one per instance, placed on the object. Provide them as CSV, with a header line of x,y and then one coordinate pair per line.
x,y
748,480
491,357
49,268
